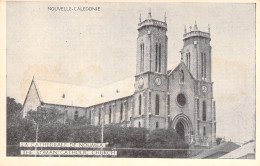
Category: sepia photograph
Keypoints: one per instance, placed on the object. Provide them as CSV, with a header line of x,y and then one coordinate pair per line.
x,y
169,80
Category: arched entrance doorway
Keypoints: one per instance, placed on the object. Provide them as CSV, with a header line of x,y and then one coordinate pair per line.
x,y
183,126
180,130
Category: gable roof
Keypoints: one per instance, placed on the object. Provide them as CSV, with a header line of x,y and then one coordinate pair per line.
x,y
181,64
244,150
51,92
224,147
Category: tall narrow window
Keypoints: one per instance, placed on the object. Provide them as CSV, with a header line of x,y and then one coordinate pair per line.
x,y
204,111
90,116
156,58
181,76
198,108
110,113
198,127
121,111
139,124
169,104
214,110
215,128
202,67
99,116
160,58
140,104
142,57
188,60
157,106
204,131
76,115
157,125
205,65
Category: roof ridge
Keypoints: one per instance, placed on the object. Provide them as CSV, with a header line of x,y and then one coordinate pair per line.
x,y
55,81
116,81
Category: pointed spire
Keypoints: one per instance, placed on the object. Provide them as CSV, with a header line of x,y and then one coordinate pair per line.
x,y
149,14
209,28
190,28
140,18
185,30
165,17
195,26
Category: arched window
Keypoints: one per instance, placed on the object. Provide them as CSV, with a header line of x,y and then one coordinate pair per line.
x,y
121,111
157,105
139,124
157,125
110,112
204,111
76,115
140,104
204,131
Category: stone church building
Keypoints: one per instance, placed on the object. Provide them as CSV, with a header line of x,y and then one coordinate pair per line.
x,y
157,97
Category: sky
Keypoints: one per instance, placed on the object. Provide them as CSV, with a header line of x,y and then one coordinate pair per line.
x,y
96,48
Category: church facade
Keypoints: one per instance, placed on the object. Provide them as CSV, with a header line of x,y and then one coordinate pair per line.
x,y
156,97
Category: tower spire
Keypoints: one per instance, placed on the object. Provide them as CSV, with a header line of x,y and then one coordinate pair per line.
x,y
140,18
165,17
195,26
185,30
149,14
209,28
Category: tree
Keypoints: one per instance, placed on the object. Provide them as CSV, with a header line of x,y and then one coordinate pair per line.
x,y
13,111
219,140
166,139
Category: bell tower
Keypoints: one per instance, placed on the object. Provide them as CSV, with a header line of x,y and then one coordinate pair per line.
x,y
196,54
151,69
151,46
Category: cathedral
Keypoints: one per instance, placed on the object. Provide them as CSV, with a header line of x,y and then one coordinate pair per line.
x,y
155,98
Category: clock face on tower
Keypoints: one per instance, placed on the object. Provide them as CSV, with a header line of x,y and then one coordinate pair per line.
x,y
204,89
158,81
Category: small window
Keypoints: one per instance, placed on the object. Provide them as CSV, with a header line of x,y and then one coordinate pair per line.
x,y
139,124
76,115
157,125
